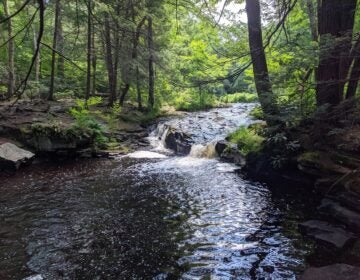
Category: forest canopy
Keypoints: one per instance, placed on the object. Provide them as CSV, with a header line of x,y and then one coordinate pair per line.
x,y
296,55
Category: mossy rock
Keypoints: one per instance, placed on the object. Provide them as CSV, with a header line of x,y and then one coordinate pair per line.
x,y
56,137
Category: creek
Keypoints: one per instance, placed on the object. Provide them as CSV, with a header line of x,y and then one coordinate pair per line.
x,y
151,214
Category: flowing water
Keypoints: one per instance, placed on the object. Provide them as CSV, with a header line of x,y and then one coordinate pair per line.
x,y
150,215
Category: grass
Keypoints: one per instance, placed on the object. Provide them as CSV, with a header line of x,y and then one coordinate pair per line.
x,y
247,140
244,97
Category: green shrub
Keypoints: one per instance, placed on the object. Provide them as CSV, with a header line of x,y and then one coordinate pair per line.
x,y
257,113
85,121
191,101
244,97
247,140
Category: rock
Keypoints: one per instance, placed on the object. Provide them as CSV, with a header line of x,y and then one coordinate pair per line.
x,y
332,272
85,153
232,154
320,164
12,157
178,141
348,199
342,214
323,231
50,144
221,146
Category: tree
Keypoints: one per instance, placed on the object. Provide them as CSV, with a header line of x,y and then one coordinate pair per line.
x,y
260,69
109,60
54,46
336,22
151,99
11,52
89,61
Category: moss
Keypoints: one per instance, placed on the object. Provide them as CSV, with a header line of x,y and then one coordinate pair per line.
x,y
309,157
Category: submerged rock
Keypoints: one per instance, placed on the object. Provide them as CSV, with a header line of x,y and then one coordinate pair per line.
x,y
332,272
324,231
12,157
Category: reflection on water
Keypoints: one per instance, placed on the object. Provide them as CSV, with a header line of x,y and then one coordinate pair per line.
x,y
147,216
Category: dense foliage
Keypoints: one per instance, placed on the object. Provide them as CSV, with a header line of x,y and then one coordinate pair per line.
x,y
186,54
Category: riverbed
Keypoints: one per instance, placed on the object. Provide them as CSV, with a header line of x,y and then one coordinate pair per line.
x,y
151,215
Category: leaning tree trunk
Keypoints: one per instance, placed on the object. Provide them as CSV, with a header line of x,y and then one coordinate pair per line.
x,y
11,53
335,25
347,26
261,75
151,99
54,46
123,94
355,71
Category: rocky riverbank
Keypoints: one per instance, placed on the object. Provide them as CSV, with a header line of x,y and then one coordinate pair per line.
x,y
47,129
326,161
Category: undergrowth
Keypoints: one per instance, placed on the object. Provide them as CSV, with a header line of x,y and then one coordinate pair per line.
x,y
247,140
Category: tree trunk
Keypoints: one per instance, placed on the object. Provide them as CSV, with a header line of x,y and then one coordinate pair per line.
x,y
11,53
311,11
54,46
354,75
335,25
94,62
347,27
134,55
60,47
138,90
261,75
151,100
109,60
123,94
89,51
354,79
38,57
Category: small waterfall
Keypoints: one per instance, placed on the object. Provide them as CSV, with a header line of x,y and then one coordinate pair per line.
x,y
203,151
157,137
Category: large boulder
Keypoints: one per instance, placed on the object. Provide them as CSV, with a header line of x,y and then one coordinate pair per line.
x,y
325,232
332,272
178,141
12,157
